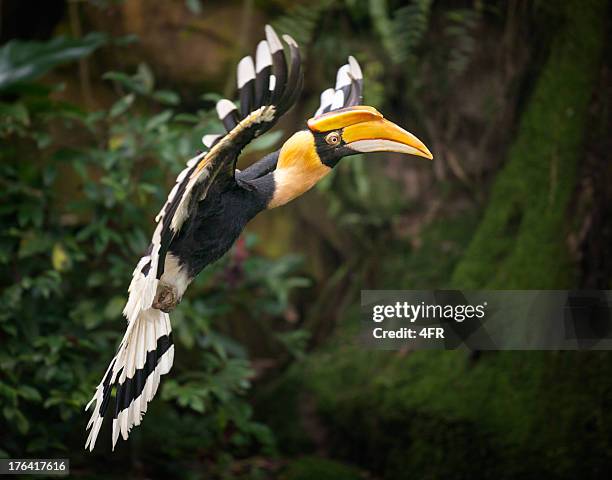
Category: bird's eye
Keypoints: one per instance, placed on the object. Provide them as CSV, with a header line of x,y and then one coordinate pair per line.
x,y
333,138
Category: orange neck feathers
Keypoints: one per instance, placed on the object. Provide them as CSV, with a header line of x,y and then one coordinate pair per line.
x,y
298,169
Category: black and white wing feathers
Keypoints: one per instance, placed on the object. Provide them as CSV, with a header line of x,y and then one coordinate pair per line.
x,y
348,91
266,90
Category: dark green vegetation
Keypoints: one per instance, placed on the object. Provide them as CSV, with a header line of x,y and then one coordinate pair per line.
x,y
268,383
443,415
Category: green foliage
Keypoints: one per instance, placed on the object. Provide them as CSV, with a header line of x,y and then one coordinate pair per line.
x,y
402,33
79,192
521,240
441,415
409,26
302,20
26,61
459,31
308,468
442,246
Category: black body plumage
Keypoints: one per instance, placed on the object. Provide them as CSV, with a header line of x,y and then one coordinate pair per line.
x,y
218,221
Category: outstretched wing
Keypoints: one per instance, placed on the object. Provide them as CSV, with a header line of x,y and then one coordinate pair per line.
x,y
348,90
267,89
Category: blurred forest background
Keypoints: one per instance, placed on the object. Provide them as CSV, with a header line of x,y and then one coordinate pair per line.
x,y
103,101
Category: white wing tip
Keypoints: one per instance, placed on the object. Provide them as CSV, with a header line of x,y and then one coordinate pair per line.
x,y
338,100
263,58
209,139
327,94
355,68
343,79
273,40
327,98
246,71
224,107
290,40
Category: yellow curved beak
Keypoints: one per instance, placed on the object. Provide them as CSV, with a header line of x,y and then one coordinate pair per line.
x,y
380,135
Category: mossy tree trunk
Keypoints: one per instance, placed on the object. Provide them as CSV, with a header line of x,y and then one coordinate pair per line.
x,y
521,241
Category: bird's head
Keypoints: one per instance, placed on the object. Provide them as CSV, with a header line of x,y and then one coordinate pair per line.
x,y
360,129
309,155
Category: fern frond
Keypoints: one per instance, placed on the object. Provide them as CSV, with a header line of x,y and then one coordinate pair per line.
x,y
301,21
402,33
460,31
410,24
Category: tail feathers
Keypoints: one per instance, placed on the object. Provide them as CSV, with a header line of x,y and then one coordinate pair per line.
x,y
144,355
144,282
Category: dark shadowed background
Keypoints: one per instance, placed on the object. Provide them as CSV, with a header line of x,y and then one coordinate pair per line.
x,y
103,101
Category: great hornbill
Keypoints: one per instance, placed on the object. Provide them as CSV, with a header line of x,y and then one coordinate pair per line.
x,y
212,202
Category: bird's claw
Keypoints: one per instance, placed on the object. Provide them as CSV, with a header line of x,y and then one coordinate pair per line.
x,y
166,298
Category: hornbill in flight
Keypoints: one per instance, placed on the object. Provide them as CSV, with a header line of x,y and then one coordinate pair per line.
x,y
212,202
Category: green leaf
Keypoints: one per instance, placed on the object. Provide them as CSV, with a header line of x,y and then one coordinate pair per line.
x,y
146,77
9,393
125,40
295,341
127,81
186,117
122,105
30,213
158,120
167,97
194,6
14,112
31,244
197,404
43,140
22,422
29,393
211,97
25,61
186,338
114,307
9,413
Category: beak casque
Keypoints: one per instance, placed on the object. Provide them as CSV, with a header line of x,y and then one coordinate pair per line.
x,y
365,130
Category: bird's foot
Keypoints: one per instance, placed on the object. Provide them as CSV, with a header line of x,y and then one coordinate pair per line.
x,y
166,298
